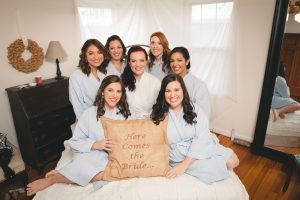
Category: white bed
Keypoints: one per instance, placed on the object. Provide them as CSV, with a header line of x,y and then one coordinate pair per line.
x,y
284,132
155,188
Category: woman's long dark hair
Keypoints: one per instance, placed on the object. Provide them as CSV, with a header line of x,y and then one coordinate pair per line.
x,y
83,63
281,70
122,105
165,44
161,107
128,75
110,39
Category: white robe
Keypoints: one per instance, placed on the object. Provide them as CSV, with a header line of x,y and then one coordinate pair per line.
x,y
111,70
83,90
86,162
156,70
195,141
198,92
144,96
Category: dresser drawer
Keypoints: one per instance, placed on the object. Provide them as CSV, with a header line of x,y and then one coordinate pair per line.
x,y
50,151
52,121
44,98
45,137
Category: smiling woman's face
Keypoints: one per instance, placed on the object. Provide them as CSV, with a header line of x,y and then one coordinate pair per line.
x,y
112,95
174,95
179,64
137,63
115,50
94,57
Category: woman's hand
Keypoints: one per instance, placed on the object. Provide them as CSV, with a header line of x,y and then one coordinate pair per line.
x,y
180,168
107,144
176,171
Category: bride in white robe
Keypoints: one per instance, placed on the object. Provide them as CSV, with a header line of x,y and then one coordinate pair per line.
x,y
141,87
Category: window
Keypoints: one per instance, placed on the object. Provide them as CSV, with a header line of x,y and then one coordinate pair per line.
x,y
95,16
208,22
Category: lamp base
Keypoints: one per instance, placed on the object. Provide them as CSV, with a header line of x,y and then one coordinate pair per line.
x,y
58,73
59,77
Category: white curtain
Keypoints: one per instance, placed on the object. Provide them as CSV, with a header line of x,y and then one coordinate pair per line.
x,y
205,27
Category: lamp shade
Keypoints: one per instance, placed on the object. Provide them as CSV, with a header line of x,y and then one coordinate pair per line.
x,y
55,51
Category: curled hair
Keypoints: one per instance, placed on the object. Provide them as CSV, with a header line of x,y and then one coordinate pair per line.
x,y
83,63
166,50
122,105
161,107
109,40
185,54
128,75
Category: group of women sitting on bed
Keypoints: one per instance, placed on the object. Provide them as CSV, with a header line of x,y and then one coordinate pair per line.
x,y
111,85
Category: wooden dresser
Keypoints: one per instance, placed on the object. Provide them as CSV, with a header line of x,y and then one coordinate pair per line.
x,y
42,116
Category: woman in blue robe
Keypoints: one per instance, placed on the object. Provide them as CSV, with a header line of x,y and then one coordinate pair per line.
x,y
179,62
158,54
88,142
282,103
192,148
117,54
85,81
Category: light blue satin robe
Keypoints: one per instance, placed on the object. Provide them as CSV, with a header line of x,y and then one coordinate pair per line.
x,y
111,70
195,141
83,90
198,92
281,94
86,162
156,70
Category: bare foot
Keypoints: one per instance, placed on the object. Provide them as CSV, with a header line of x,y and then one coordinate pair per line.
x,y
98,177
37,185
282,115
275,115
51,173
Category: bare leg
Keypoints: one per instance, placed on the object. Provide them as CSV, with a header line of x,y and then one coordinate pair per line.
x,y
98,177
232,162
288,109
43,183
51,173
275,115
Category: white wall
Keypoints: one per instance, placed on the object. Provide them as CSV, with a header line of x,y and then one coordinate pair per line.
x,y
45,20
254,28
42,21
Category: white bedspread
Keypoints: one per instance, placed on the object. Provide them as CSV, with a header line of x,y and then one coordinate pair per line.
x,y
289,126
184,187
156,188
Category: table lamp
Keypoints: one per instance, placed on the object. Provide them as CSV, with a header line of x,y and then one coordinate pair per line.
x,y
56,51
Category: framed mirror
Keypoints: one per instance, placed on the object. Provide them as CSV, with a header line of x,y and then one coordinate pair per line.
x,y
273,59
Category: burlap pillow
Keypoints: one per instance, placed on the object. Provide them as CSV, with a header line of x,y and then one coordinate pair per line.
x,y
142,148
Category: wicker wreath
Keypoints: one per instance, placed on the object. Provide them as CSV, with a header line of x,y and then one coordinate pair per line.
x,y
14,55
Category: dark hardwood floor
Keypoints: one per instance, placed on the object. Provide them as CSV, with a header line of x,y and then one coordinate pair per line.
x,y
262,177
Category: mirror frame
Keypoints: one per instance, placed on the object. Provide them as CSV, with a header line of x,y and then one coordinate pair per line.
x,y
257,146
